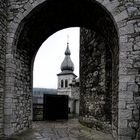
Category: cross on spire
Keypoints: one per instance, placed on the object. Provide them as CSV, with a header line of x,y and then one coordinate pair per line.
x,y
67,39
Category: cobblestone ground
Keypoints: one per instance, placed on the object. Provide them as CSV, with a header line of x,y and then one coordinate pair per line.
x,y
64,130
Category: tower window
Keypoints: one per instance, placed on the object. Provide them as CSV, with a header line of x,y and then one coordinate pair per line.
x,y
66,83
62,84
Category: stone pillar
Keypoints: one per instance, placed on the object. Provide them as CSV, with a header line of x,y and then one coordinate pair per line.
x,y
129,83
18,97
129,72
93,81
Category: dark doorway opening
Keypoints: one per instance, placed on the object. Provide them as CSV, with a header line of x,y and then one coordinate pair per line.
x,y
55,107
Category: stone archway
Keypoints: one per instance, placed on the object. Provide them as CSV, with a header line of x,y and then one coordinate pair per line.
x,y
25,35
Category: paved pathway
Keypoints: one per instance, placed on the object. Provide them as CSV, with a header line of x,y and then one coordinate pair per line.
x,y
66,130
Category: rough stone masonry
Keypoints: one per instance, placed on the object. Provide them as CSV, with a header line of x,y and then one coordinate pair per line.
x,y
109,60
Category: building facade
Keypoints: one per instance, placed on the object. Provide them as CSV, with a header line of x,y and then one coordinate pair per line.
x,y
65,78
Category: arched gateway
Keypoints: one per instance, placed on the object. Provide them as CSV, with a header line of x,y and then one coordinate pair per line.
x,y
109,60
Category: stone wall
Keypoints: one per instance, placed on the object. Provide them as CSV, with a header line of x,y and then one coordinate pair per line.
x,y
99,63
129,110
23,92
3,30
18,95
18,102
95,101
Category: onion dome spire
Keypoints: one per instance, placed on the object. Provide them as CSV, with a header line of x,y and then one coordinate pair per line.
x,y
67,64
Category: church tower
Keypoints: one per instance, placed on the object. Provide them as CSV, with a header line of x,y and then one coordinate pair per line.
x,y
66,75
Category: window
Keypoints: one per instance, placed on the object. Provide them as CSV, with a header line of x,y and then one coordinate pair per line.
x,y
66,83
62,83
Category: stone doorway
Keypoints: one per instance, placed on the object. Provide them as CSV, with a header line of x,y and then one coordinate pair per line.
x,y
29,25
35,28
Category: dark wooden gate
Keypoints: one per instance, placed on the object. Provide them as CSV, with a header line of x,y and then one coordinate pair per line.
x,y
55,107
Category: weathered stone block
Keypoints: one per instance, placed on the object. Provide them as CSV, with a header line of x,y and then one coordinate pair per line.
x,y
132,87
125,114
122,104
128,29
8,111
124,138
127,132
127,78
126,95
122,86
121,16
124,39
125,47
123,123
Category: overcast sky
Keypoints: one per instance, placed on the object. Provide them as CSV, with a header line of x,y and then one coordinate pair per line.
x,y
51,54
